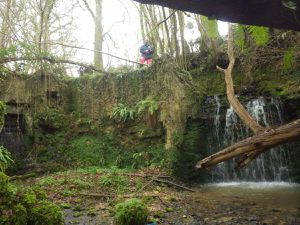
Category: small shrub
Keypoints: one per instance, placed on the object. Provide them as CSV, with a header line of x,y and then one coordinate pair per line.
x,y
131,212
119,183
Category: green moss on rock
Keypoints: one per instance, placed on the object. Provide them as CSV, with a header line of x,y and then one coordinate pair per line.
x,y
131,212
46,213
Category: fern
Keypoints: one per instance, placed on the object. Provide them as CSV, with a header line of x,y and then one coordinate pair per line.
x,y
290,4
5,159
211,27
259,34
123,113
289,60
149,105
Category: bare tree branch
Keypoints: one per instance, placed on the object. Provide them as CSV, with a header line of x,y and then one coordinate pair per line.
x,y
50,60
89,9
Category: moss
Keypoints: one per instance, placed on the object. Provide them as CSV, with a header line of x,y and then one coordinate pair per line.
x,y
189,149
46,213
131,212
2,113
28,198
20,206
20,216
3,183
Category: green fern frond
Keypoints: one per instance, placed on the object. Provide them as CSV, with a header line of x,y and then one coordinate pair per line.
x,y
122,113
5,159
147,105
259,34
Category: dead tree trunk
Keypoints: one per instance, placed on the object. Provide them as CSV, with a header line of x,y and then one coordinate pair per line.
x,y
263,140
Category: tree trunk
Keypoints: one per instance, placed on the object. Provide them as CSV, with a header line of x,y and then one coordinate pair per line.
x,y
142,22
238,107
98,59
174,36
171,51
5,31
182,38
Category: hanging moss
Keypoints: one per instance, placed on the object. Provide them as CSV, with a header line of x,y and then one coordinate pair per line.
x,y
190,149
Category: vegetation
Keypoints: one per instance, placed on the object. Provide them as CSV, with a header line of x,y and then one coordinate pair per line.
x,y
22,206
5,159
131,212
147,105
123,113
2,114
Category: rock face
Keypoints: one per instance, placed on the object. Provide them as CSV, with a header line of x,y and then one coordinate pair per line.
x,y
270,13
187,122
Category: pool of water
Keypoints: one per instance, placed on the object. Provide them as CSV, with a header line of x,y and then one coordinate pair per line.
x,y
275,194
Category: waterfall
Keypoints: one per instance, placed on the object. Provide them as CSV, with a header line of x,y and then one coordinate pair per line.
x,y
272,165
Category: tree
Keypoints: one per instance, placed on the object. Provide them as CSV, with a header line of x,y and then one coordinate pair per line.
x,y
5,29
98,36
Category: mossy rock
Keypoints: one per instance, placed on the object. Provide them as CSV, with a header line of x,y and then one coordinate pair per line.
x,y
20,216
131,212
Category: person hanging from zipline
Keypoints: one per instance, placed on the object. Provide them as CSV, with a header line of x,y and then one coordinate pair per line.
x,y
147,53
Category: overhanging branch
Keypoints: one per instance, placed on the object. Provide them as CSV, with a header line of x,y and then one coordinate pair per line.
x,y
50,60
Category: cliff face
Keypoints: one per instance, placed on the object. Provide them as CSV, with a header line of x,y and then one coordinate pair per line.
x,y
161,105
96,98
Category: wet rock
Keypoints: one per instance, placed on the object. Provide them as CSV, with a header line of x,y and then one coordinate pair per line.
x,y
224,219
251,218
276,210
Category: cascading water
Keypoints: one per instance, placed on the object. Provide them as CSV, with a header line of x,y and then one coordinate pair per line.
x,y
272,165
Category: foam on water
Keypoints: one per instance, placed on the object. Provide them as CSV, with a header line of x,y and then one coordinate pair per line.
x,y
255,185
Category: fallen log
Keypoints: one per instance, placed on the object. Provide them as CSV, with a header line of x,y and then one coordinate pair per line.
x,y
22,177
257,144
